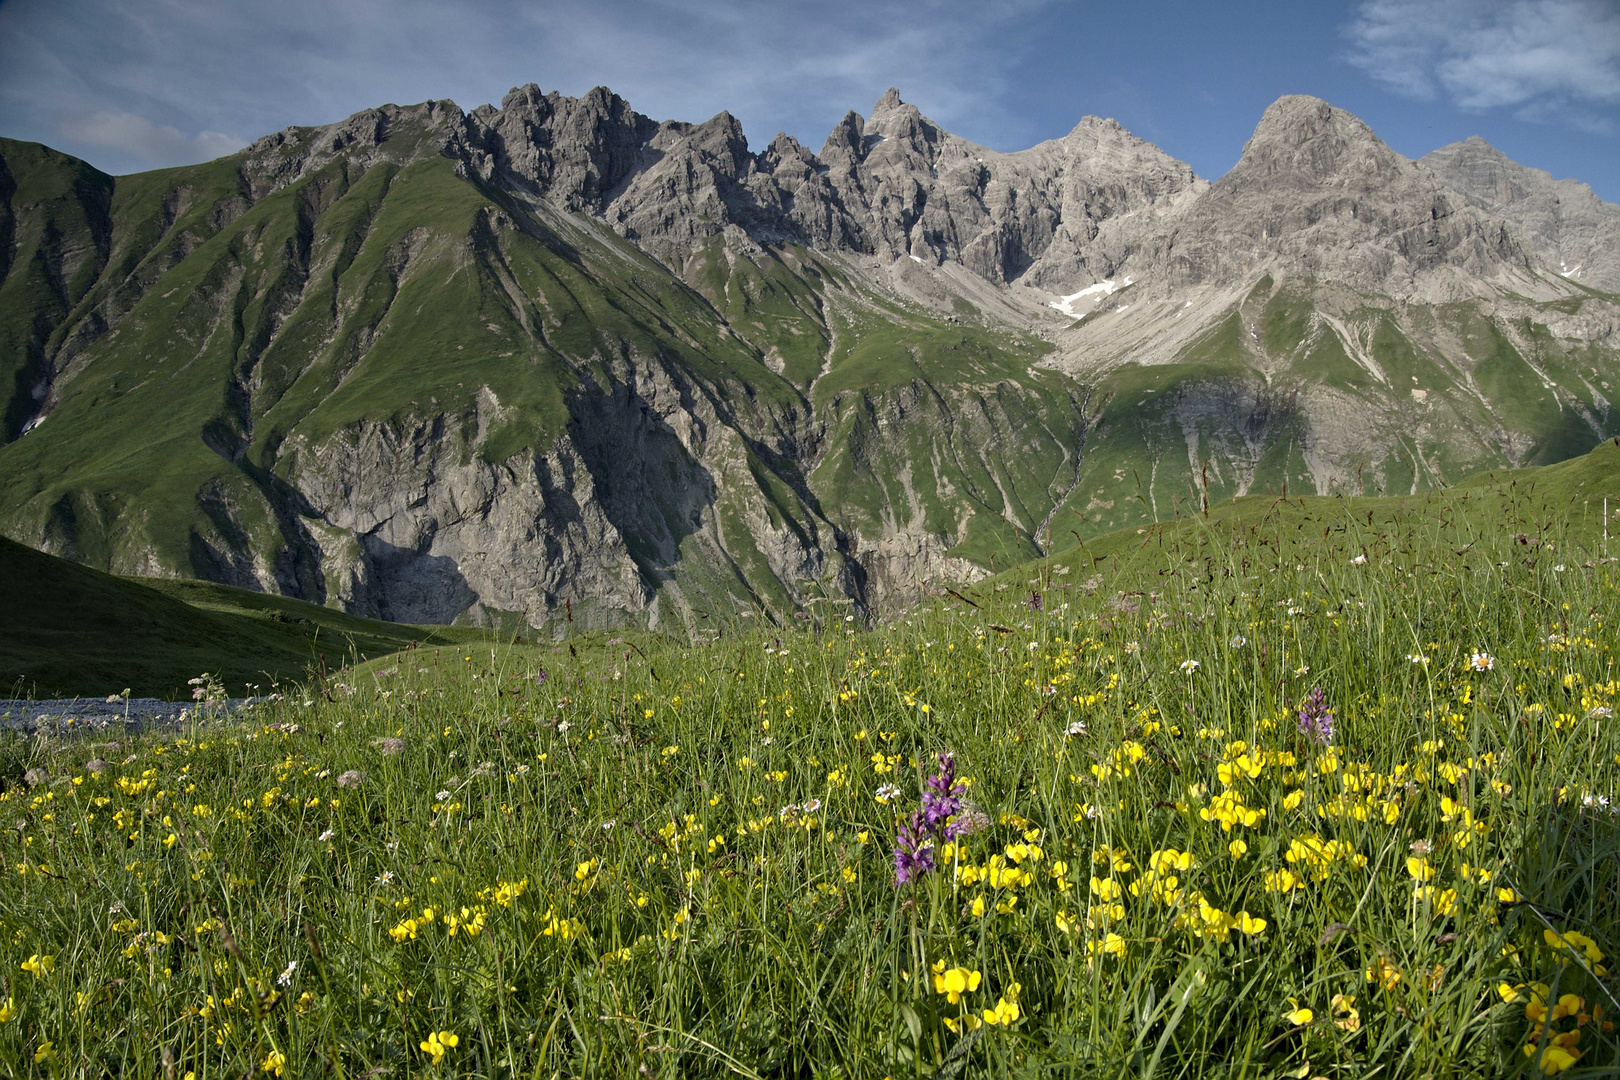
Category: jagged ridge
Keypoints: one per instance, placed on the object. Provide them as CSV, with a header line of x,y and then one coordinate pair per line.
x,y
428,364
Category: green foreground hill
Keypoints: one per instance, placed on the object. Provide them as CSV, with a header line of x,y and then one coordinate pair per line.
x,y
1311,796
67,630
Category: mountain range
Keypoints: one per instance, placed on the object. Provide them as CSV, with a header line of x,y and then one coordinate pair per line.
x,y
559,360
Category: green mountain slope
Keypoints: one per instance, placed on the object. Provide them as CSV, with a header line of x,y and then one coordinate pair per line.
x,y
1500,513
558,361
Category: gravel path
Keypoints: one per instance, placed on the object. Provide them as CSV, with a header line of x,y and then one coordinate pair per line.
x,y
66,715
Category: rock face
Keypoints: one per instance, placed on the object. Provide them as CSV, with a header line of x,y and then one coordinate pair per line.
x,y
558,360
1317,194
1564,224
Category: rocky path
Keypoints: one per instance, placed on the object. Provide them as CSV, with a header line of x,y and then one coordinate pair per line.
x,y
67,715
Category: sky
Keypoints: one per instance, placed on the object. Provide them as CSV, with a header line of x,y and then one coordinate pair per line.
x,y
138,84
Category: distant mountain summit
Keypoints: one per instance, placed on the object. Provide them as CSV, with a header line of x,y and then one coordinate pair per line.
x,y
1564,223
559,357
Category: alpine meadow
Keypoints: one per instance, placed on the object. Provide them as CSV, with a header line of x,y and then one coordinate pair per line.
x,y
647,607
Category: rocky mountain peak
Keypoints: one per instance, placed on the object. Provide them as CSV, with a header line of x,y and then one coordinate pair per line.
x,y
1564,223
1305,137
889,100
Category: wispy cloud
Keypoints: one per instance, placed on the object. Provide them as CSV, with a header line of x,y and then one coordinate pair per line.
x,y
136,136
135,85
1547,60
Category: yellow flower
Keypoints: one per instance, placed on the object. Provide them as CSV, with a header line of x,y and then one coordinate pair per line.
x,y
39,966
956,982
1005,1013
1238,849
46,1051
1578,943
1296,1015
1346,1016
1384,973
1111,943
1282,881
1554,1059
1250,924
437,1043
9,1011
1419,868
273,1062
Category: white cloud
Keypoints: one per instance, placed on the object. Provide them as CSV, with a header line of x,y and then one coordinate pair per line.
x,y
1549,60
136,136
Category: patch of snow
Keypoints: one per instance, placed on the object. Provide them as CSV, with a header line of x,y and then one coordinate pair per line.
x,y
1093,293
914,258
32,424
1123,307
1565,271
1188,304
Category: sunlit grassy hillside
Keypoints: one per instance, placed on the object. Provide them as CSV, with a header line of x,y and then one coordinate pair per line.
x,y
1305,794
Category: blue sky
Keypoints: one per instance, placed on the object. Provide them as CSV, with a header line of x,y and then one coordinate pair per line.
x,y
135,84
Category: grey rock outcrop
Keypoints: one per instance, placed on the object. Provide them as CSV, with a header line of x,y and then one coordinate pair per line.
x,y
1562,221
1317,194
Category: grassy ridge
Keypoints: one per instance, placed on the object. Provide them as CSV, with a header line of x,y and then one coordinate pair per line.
x,y
67,630
640,858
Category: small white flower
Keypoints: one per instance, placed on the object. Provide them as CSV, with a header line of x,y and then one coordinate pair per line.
x,y
1482,661
442,795
607,826
325,836
1419,658
385,878
1238,641
812,806
117,908
1077,728
887,792
286,977
1559,569
1359,560
1189,666
563,726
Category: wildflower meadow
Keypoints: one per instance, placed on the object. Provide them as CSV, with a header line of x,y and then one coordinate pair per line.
x,y
1299,794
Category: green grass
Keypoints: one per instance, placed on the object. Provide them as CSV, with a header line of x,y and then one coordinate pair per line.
x,y
611,857
67,630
